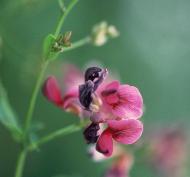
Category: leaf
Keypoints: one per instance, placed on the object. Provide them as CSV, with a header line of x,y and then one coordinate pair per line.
x,y
7,115
48,53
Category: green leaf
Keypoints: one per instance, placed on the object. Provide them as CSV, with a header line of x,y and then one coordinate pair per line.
x,y
7,115
48,53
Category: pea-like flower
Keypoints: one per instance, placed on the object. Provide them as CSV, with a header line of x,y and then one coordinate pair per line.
x,y
109,103
123,131
169,152
121,166
124,101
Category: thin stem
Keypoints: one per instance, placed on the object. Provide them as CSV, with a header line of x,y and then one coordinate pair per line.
x,y
77,44
34,97
62,6
62,19
56,134
70,129
20,163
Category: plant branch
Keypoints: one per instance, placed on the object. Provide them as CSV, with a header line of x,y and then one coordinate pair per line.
x,y
70,129
77,44
20,163
34,97
56,134
62,19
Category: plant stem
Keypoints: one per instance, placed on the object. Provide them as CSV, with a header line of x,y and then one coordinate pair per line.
x,y
77,44
23,153
58,133
34,97
20,163
62,19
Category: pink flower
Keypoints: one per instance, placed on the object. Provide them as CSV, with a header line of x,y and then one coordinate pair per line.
x,y
116,105
68,101
121,166
169,152
124,101
72,77
52,92
124,131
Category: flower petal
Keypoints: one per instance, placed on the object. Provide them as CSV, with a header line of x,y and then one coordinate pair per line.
x,y
71,102
132,102
113,85
70,96
51,90
120,111
126,131
105,143
73,77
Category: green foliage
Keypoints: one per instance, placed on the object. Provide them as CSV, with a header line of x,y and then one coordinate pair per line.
x,y
7,115
48,52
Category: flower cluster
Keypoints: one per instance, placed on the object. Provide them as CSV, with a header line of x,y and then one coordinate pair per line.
x,y
169,152
113,106
121,166
102,32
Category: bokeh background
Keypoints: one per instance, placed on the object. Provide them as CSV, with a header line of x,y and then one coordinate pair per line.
x,y
152,53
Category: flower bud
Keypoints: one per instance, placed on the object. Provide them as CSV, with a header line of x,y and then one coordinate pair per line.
x,y
91,133
96,75
85,93
62,41
101,32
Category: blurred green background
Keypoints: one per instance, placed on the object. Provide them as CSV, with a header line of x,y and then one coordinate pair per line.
x,y
152,53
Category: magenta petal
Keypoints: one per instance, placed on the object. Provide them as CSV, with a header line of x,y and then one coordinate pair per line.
x,y
132,104
52,91
73,77
126,131
105,143
121,111
70,97
113,85
127,111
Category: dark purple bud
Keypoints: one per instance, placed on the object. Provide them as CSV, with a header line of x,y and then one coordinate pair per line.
x,y
92,73
91,133
85,93
96,75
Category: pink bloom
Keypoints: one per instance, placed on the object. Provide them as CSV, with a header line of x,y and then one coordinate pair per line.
x,y
52,92
97,156
121,166
119,106
124,101
169,152
72,77
68,101
124,131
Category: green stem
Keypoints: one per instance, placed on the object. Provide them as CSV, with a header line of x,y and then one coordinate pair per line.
x,y
62,6
34,97
23,153
20,163
77,44
62,19
58,133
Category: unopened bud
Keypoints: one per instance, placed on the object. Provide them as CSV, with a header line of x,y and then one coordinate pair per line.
x,y
67,38
112,31
102,32
91,133
62,41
